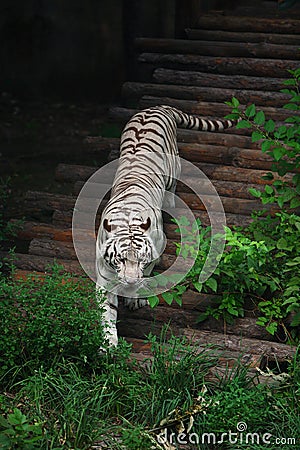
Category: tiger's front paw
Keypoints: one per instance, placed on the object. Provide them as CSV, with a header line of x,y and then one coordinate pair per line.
x,y
111,341
135,303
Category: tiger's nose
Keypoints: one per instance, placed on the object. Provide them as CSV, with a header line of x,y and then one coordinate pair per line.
x,y
131,280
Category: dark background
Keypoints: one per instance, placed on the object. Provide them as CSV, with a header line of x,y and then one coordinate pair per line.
x,y
82,49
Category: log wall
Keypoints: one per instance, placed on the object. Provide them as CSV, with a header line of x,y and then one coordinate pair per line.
x,y
197,75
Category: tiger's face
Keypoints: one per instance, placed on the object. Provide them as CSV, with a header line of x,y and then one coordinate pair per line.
x,y
129,250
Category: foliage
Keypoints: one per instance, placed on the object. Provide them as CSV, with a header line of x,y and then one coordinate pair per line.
x,y
124,405
259,263
16,432
47,319
280,141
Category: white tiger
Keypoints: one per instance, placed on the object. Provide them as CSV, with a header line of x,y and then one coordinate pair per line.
x,y
130,236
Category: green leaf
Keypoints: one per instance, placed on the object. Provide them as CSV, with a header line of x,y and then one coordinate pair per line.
x,y
295,202
250,111
288,194
178,300
198,286
272,328
235,102
262,321
270,126
168,297
180,289
291,106
280,202
243,124
269,189
278,153
212,283
289,82
257,136
232,116
259,118
282,244
153,301
255,192
265,146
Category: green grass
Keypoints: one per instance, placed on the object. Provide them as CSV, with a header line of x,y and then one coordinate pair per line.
x,y
68,397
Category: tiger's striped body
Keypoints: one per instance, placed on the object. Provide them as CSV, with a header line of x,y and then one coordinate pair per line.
x,y
130,237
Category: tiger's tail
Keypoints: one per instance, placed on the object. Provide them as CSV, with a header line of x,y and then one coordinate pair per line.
x,y
192,122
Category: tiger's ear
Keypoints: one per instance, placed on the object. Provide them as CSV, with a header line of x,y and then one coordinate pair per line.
x,y
145,226
106,225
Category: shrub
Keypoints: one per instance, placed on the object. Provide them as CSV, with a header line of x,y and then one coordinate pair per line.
x,y
280,141
16,432
47,319
260,262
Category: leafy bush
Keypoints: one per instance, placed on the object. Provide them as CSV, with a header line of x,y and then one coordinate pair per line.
x,y
16,432
260,263
47,319
280,141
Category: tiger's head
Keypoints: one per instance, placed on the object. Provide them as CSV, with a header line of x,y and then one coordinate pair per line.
x,y
129,249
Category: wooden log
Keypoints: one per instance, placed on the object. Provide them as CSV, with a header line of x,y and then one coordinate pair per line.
x,y
50,248
208,80
143,322
211,109
220,154
255,24
270,350
227,49
225,361
212,171
106,144
133,91
43,246
246,36
225,139
45,201
222,361
224,188
231,173
63,219
188,314
31,230
231,205
221,65
64,251
46,248
41,263
194,301
69,174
